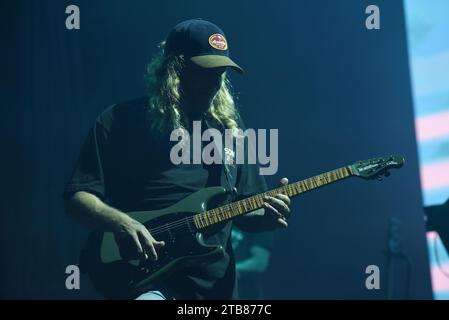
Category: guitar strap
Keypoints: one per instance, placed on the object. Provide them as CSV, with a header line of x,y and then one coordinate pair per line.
x,y
228,167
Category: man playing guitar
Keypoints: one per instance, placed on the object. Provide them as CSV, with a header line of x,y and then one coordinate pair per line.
x,y
125,166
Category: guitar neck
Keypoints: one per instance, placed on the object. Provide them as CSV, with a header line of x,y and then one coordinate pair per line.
x,y
234,209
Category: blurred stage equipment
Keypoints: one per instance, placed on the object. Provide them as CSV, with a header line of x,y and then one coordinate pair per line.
x,y
398,265
437,219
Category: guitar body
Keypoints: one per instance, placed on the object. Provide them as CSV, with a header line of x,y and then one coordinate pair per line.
x,y
184,247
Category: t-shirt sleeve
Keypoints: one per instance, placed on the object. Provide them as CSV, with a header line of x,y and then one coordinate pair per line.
x,y
89,172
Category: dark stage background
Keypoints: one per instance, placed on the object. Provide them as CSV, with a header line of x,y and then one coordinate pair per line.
x,y
337,92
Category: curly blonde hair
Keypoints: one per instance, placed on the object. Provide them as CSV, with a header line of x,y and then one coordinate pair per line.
x,y
163,76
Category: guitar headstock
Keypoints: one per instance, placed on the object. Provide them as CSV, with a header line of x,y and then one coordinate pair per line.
x,y
375,168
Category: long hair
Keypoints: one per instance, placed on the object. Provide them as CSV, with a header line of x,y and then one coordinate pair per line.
x,y
164,87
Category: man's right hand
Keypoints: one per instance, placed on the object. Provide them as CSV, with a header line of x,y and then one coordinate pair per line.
x,y
135,241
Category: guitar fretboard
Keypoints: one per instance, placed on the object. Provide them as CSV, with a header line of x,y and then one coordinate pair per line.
x,y
231,210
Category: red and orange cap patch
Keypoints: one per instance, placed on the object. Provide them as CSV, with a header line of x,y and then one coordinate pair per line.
x,y
218,42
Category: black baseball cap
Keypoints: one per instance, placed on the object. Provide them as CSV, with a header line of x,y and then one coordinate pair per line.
x,y
202,42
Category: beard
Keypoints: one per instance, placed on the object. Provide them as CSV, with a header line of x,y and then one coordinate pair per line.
x,y
200,102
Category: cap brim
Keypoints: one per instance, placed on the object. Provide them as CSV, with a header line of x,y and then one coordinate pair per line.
x,y
215,61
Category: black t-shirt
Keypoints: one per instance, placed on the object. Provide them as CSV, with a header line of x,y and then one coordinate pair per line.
x,y
128,166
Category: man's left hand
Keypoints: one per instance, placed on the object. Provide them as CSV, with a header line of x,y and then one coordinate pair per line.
x,y
277,208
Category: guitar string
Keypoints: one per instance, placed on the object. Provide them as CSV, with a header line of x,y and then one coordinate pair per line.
x,y
182,222
175,225
179,223
171,226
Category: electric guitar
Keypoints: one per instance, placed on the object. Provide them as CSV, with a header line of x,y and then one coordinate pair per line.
x,y
181,227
